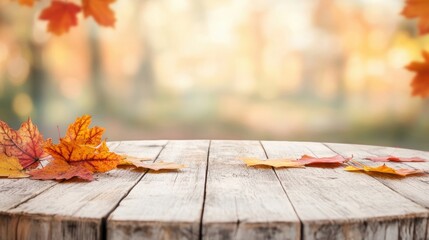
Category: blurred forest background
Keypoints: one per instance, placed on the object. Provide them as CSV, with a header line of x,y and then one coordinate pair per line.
x,y
316,70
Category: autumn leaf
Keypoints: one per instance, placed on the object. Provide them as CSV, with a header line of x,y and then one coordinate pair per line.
x,y
100,11
10,167
26,144
276,163
80,133
420,82
60,170
158,165
94,159
61,16
418,9
128,160
395,159
26,2
382,169
309,160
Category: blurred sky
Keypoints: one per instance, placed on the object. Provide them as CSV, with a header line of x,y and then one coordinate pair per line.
x,y
315,70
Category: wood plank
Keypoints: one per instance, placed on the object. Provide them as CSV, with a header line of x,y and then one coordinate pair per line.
x,y
165,205
243,202
415,188
75,210
335,204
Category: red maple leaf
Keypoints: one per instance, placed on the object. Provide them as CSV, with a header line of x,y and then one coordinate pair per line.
x,y
391,158
58,169
26,144
309,160
61,16
418,9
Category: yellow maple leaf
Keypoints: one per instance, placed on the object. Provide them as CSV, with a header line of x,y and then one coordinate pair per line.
x,y
11,168
276,163
128,160
156,166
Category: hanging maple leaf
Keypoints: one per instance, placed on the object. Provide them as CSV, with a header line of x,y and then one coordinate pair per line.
x,y
418,9
100,11
395,159
276,163
420,83
10,167
60,170
80,133
61,16
309,160
98,159
26,144
382,169
158,165
26,2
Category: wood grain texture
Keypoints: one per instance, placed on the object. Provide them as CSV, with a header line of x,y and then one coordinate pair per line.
x,y
243,202
335,204
75,210
166,205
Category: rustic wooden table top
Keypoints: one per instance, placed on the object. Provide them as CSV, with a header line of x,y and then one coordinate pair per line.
x,y
218,197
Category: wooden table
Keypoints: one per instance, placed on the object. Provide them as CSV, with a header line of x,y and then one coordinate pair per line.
x,y
218,197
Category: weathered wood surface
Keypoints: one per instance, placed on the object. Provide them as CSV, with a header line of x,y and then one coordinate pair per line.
x,y
335,204
242,202
218,197
165,205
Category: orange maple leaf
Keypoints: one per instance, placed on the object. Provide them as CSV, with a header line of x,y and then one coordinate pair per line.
x,y
26,2
100,11
10,167
80,133
26,144
418,9
94,159
420,83
58,170
61,16
382,169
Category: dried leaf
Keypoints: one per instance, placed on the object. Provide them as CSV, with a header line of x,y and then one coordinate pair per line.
x,y
26,2
395,159
10,167
100,11
26,144
94,159
384,169
276,163
420,82
61,16
418,9
309,160
158,165
61,170
128,160
80,133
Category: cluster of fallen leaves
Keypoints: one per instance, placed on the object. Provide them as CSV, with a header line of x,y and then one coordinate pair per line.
x,y
81,153
337,160
61,15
